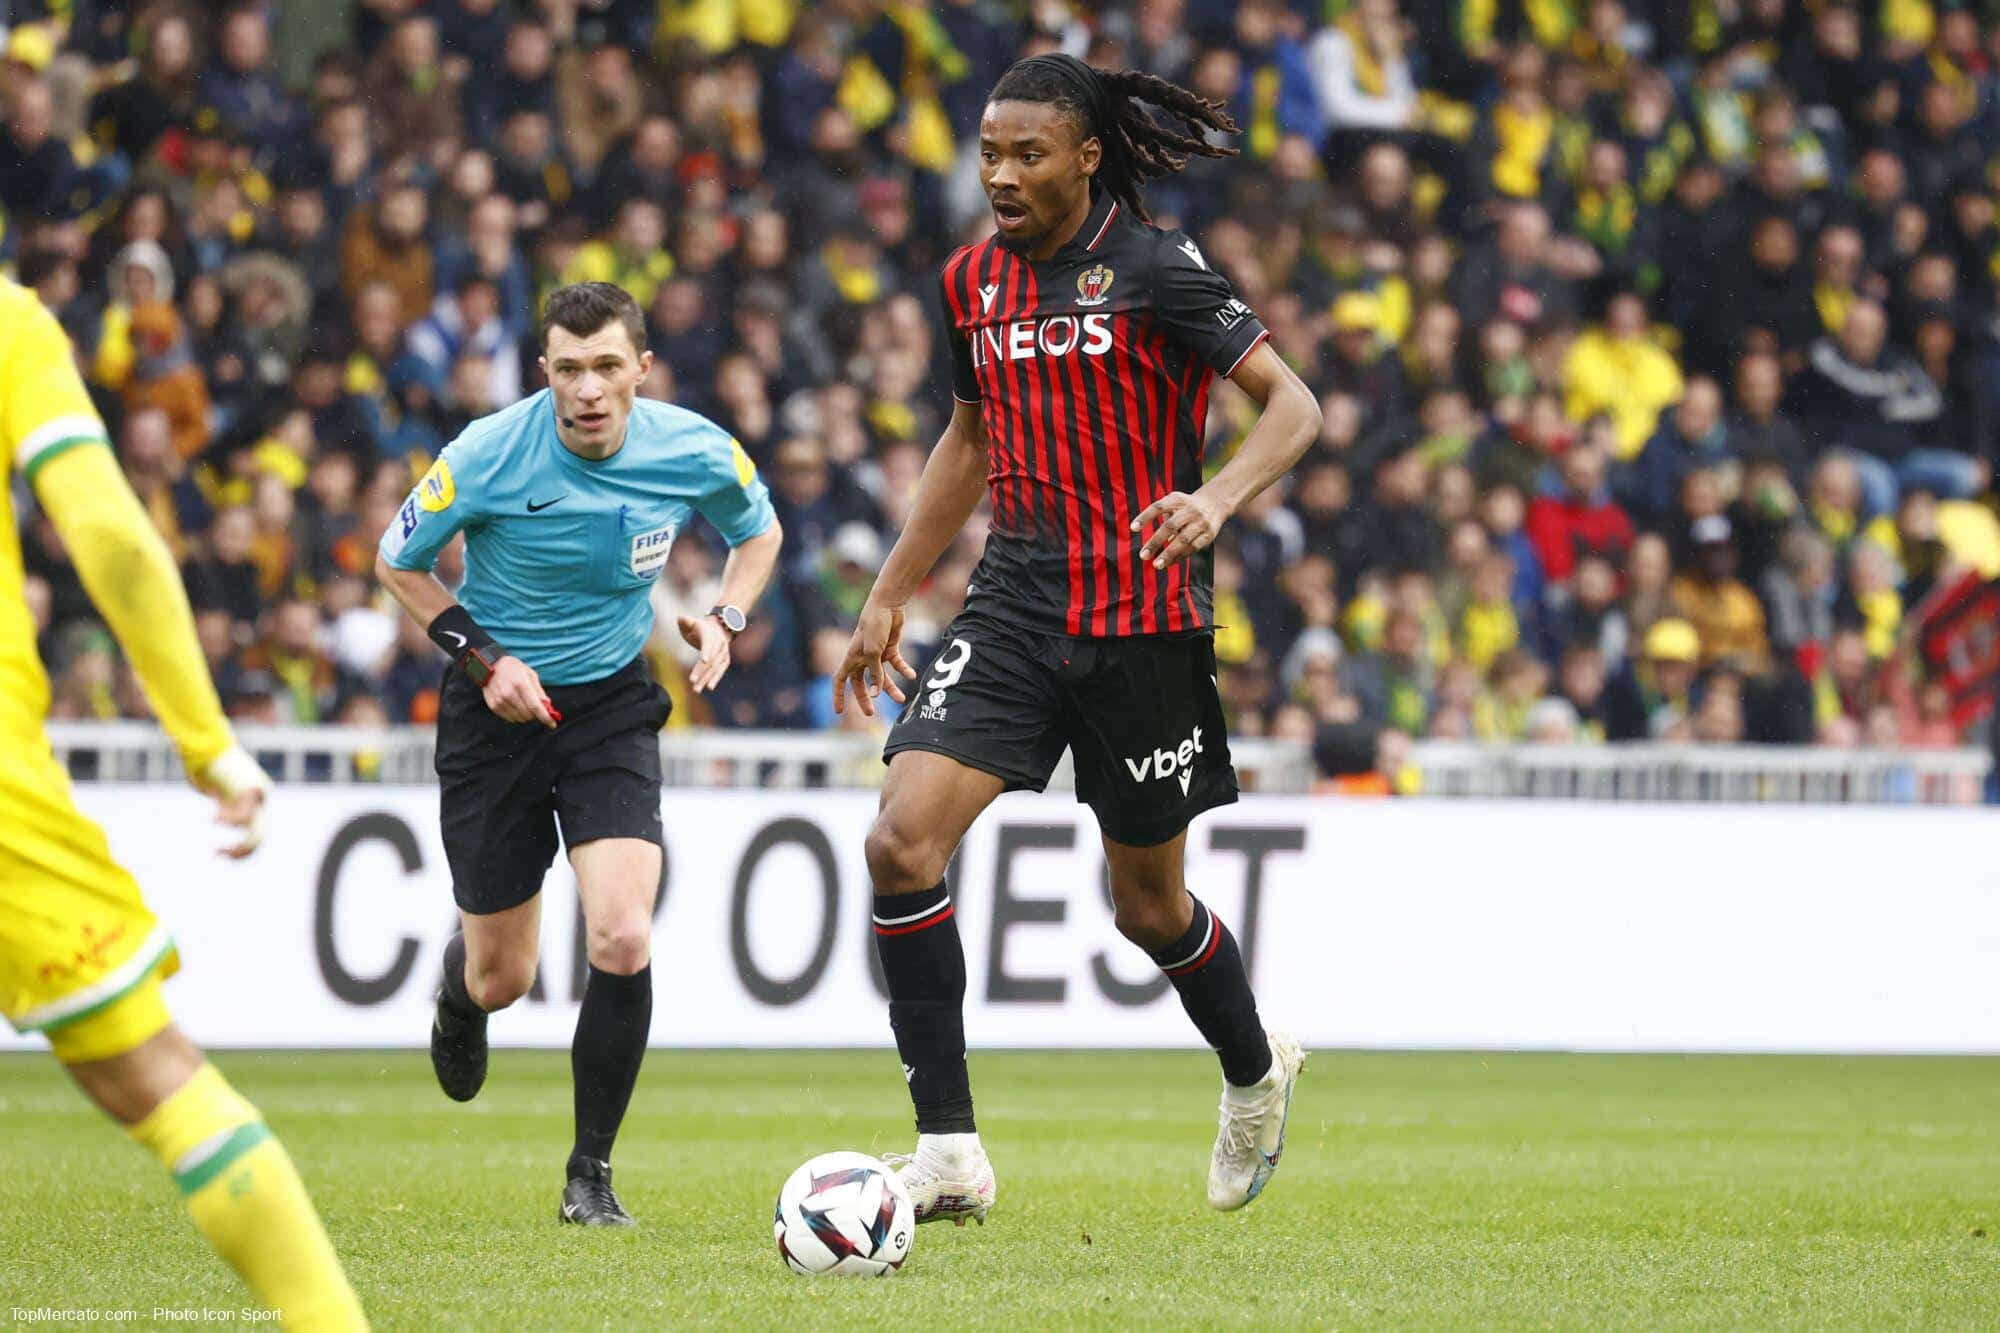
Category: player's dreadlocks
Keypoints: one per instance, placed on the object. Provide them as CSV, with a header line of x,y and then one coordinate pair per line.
x,y
1107,103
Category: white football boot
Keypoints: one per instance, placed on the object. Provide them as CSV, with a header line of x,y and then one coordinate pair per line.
x,y
948,1176
1252,1132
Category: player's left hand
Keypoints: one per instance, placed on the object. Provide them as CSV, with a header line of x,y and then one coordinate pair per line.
x,y
244,811
239,785
707,634
1187,524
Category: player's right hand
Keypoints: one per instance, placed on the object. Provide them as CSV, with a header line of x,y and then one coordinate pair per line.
x,y
877,641
514,694
239,785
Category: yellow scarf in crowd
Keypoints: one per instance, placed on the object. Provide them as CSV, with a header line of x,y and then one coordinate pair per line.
x,y
1524,144
867,95
1606,218
1833,303
1551,22
1964,91
1881,620
1369,76
1660,165
1486,630
1707,33
1573,136
1265,85
857,284
718,26
1912,21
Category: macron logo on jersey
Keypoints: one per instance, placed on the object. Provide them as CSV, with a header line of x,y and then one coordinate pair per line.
x,y
1188,249
986,295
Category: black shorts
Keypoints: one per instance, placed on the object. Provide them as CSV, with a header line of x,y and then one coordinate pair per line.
x,y
504,786
1141,716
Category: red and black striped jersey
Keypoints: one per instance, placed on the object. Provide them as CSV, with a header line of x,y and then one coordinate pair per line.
x,y
1091,370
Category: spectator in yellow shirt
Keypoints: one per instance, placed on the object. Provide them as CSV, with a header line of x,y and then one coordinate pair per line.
x,y
1726,615
1871,579
634,255
1487,626
1513,684
1931,531
1619,370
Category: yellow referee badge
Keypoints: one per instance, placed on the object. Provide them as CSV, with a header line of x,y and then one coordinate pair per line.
x,y
746,471
436,492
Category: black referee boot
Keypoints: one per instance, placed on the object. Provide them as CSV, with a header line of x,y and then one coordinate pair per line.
x,y
458,1050
588,1201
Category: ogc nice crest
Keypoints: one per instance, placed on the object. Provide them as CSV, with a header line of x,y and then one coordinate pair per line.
x,y
1093,285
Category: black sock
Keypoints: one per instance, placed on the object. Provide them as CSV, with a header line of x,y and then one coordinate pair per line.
x,y
605,1055
455,993
916,935
1207,969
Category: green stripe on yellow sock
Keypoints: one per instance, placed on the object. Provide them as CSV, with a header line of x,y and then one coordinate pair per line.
x,y
240,1141
247,1201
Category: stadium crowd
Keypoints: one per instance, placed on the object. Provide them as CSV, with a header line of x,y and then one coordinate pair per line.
x,y
1657,340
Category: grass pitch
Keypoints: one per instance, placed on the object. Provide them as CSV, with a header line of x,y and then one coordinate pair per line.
x,y
1438,1190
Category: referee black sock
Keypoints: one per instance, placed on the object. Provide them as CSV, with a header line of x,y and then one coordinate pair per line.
x,y
916,935
1206,968
456,994
605,1055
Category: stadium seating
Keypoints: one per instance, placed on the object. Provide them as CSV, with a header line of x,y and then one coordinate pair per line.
x,y
1657,348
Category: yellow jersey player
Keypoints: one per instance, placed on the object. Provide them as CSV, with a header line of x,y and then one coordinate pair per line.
x,y
81,957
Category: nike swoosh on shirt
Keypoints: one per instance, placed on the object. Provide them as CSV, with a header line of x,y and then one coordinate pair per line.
x,y
534,508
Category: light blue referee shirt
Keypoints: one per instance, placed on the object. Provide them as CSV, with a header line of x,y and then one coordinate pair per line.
x,y
561,552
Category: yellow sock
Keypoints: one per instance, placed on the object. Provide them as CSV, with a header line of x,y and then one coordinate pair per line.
x,y
248,1202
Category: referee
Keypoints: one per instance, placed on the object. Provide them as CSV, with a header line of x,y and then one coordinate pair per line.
x,y
569,501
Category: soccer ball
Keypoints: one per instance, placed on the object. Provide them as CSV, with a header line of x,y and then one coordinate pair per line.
x,y
845,1213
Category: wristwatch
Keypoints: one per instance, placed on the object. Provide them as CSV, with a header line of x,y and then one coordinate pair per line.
x,y
479,661
731,617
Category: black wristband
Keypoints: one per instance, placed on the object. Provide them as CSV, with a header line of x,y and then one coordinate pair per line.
x,y
458,634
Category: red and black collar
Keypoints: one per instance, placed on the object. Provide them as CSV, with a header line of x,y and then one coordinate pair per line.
x,y
1104,213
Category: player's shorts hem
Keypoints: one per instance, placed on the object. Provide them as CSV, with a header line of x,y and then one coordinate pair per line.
x,y
1016,779
617,801
1153,832
655,836
505,790
124,1025
492,904
102,993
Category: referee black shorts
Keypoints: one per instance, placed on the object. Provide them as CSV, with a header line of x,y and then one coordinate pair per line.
x,y
1141,716
504,787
